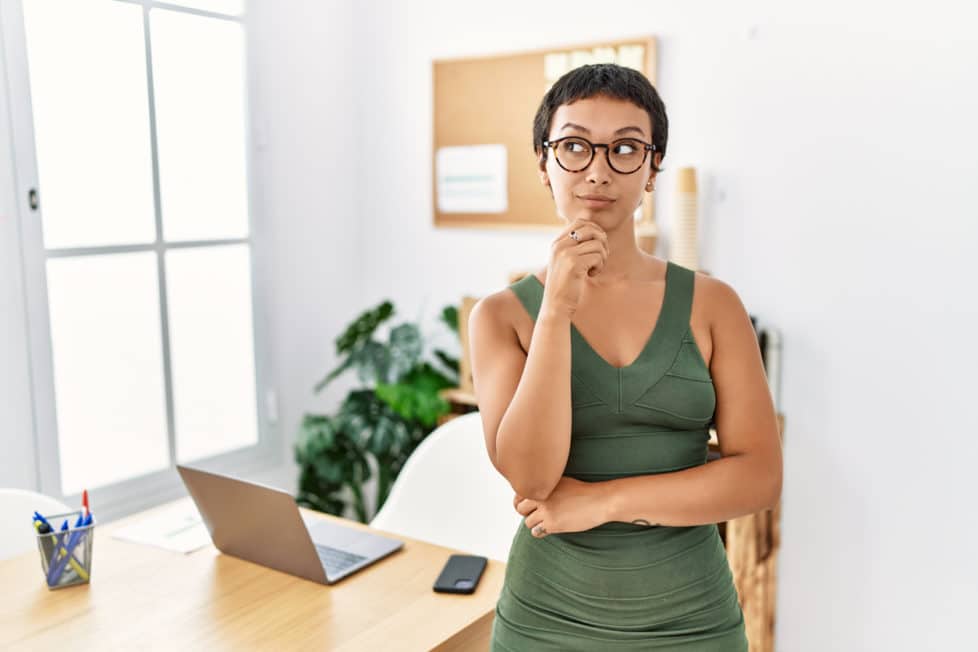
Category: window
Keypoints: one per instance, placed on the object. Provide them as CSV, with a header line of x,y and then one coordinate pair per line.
x,y
131,126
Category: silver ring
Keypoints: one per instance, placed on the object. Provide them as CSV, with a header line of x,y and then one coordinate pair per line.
x,y
574,236
539,529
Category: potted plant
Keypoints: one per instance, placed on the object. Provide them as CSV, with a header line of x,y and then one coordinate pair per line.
x,y
396,407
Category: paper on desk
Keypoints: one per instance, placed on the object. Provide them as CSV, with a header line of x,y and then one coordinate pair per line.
x,y
179,528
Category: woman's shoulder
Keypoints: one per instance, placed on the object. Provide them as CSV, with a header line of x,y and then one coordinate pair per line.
x,y
504,306
718,304
505,310
718,294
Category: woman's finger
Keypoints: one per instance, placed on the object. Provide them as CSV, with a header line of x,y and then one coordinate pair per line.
x,y
526,506
585,231
537,528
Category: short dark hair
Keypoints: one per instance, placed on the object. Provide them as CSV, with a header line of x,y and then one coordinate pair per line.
x,y
610,80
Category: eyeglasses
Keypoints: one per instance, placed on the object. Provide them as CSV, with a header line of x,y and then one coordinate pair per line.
x,y
624,156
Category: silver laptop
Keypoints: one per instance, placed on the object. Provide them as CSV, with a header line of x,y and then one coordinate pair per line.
x,y
264,525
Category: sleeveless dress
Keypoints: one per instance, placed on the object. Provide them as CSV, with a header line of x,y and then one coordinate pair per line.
x,y
622,586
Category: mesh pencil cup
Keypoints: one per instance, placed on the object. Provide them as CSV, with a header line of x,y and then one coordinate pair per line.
x,y
66,555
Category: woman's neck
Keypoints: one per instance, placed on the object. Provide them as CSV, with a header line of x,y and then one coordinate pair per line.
x,y
626,264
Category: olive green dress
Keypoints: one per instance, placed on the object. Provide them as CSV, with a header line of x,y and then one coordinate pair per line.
x,y
621,586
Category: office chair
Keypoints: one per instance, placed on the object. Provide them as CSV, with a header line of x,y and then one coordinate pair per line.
x,y
450,494
16,529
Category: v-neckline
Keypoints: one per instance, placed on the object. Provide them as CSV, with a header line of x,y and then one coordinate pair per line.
x,y
586,346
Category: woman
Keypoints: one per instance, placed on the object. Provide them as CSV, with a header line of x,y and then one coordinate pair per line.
x,y
598,378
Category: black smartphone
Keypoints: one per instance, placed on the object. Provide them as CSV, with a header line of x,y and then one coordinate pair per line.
x,y
461,574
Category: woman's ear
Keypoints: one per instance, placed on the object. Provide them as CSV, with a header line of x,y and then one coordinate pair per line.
x,y
656,163
545,181
541,162
650,184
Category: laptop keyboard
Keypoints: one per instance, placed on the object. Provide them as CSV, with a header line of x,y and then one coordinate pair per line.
x,y
335,560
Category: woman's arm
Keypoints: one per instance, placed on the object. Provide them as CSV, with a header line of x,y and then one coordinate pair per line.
x,y
747,478
524,398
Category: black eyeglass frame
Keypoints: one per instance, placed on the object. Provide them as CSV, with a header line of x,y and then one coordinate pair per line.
x,y
647,147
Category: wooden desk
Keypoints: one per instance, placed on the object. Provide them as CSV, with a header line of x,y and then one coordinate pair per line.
x,y
142,597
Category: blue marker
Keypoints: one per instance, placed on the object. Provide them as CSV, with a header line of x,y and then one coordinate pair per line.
x,y
42,519
62,538
55,570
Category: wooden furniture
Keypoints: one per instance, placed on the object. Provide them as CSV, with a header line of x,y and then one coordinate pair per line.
x,y
753,542
491,101
142,598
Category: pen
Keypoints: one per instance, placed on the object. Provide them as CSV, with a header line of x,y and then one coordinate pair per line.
x,y
45,524
38,516
47,544
53,562
56,539
61,540
55,570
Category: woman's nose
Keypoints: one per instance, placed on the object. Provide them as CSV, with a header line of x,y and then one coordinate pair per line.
x,y
598,171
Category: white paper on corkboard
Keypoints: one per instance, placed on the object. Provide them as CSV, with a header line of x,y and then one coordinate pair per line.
x,y
472,179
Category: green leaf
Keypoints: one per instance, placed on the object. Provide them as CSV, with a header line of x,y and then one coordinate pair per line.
x,y
363,327
347,363
447,360
449,315
373,362
416,396
382,437
405,349
354,337
426,376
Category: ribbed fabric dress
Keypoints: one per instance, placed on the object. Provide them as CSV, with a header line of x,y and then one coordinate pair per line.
x,y
621,586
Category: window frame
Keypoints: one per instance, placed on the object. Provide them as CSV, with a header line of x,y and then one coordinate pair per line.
x,y
130,495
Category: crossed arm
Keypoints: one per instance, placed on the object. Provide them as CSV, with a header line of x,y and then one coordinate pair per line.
x,y
719,491
745,480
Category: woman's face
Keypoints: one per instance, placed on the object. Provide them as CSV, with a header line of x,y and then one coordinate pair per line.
x,y
599,119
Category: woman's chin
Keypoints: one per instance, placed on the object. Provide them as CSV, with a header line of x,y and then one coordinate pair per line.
x,y
601,216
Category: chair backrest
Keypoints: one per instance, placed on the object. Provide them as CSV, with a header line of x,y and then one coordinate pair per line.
x,y
16,531
449,493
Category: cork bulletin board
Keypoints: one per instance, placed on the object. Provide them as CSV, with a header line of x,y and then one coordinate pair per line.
x,y
483,164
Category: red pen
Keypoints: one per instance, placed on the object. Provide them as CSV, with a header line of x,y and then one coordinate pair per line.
x,y
85,501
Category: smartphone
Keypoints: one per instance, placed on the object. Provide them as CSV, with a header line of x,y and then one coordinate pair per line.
x,y
461,574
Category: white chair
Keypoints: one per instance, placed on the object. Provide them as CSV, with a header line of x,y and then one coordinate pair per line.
x,y
16,529
450,494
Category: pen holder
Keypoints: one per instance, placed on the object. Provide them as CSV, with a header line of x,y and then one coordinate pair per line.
x,y
66,555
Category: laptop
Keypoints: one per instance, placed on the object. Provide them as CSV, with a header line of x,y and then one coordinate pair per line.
x,y
264,525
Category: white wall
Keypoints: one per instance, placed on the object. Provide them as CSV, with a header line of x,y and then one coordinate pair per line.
x,y
837,152
302,95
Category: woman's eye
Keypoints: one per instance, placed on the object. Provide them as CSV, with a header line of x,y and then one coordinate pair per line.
x,y
625,148
569,146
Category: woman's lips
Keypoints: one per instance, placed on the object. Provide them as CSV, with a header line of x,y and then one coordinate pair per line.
x,y
596,203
